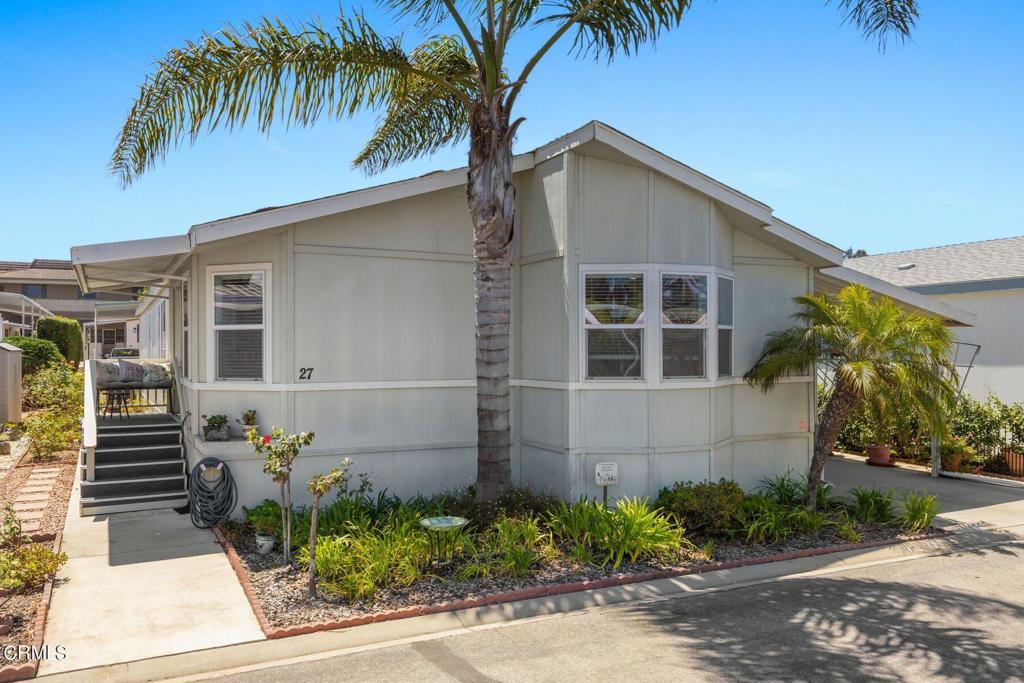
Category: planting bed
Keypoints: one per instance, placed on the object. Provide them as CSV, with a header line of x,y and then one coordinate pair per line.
x,y
279,590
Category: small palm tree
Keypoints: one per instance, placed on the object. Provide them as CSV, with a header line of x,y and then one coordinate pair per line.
x,y
878,353
459,83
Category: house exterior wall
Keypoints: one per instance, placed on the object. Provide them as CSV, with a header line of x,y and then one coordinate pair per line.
x,y
379,303
999,367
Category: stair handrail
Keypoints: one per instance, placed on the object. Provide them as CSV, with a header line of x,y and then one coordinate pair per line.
x,y
89,420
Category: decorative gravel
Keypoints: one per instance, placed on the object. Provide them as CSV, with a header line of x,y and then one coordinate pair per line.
x,y
56,510
282,589
22,607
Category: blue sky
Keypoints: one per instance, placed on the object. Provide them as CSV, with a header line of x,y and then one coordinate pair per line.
x,y
919,146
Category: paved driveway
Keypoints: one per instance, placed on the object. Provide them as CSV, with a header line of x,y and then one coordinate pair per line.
x,y
961,501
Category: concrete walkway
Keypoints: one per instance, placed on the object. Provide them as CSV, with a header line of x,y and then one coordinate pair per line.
x,y
961,502
139,585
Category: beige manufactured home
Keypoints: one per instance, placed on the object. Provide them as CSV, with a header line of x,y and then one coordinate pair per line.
x,y
643,291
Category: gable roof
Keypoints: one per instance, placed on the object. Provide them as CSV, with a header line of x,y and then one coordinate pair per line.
x,y
970,266
38,274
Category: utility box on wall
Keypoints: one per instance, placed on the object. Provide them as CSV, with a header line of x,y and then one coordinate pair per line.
x,y
10,383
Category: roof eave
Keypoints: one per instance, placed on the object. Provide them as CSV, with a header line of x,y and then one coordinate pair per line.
x,y
953,316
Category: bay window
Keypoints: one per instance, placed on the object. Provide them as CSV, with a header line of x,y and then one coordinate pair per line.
x,y
684,322
688,335
614,320
239,317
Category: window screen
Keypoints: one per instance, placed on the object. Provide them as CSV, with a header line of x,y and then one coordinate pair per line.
x,y
613,322
238,324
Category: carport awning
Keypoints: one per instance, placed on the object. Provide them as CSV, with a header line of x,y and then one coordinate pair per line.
x,y
831,280
121,266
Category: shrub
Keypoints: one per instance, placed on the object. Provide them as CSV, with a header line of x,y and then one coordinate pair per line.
x,y
845,529
871,505
356,565
65,333
784,489
707,510
592,534
766,520
510,547
49,432
516,502
36,353
264,518
23,564
918,511
59,387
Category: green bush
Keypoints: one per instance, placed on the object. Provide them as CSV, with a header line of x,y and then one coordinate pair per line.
x,y
784,489
57,386
36,353
516,502
633,530
707,510
23,564
766,520
48,432
871,505
918,511
358,564
265,518
510,547
65,333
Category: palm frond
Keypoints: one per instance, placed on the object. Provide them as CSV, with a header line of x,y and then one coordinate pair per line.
x,y
786,352
425,117
266,71
605,28
880,19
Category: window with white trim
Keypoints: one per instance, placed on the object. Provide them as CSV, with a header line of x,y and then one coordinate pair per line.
x,y
613,319
238,312
684,324
724,323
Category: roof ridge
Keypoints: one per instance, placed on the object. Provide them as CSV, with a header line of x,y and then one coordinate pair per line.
x,y
939,246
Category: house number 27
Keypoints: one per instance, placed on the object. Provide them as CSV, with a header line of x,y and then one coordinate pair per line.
x,y
305,373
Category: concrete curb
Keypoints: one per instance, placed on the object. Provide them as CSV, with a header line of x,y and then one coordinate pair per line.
x,y
981,478
25,670
255,655
551,590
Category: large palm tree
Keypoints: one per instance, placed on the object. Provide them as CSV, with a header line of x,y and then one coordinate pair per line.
x,y
877,353
459,83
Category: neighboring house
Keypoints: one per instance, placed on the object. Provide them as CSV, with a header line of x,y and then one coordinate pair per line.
x,y
985,278
53,286
643,290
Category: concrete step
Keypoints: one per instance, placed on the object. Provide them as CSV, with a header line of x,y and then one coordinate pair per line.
x,y
128,486
136,469
109,455
98,505
148,437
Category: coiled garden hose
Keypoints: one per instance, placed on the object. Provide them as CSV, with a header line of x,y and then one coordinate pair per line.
x,y
212,492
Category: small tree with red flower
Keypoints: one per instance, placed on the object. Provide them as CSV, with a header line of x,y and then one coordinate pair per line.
x,y
280,451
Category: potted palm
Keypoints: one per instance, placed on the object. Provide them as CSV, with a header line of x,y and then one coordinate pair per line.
x,y
880,448
216,428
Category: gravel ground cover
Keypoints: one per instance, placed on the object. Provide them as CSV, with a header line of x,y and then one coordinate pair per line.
x,y
281,588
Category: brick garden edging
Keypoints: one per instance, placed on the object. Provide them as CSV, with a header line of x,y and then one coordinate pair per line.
x,y
275,632
25,670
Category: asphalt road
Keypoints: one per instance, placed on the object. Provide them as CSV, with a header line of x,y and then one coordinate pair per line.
x,y
948,618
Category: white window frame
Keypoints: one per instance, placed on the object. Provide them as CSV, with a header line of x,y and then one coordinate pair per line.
x,y
211,330
643,326
705,326
721,326
652,337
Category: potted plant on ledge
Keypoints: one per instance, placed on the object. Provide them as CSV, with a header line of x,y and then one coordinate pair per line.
x,y
881,412
248,421
216,428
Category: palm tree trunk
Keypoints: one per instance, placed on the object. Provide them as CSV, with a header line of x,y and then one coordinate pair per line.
x,y
831,423
492,210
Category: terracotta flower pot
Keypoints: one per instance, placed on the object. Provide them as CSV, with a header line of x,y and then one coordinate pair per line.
x,y
880,456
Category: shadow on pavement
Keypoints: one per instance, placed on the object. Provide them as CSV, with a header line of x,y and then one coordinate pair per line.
x,y
840,629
